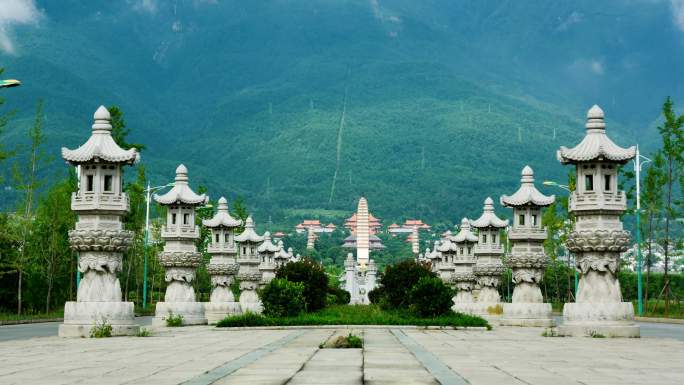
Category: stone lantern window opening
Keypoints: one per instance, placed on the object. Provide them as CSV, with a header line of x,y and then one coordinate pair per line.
x,y
521,219
484,237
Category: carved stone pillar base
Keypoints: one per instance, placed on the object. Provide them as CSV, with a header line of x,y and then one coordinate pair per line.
x,y
192,312
527,314
250,302
610,319
463,297
216,311
80,317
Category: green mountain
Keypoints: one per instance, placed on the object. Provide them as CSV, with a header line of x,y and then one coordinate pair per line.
x,y
426,107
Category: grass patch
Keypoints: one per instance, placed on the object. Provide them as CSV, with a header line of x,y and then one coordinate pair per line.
x,y
656,308
353,315
343,342
102,330
144,333
5,316
595,334
174,320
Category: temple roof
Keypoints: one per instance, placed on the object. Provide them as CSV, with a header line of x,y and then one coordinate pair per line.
x,y
267,246
101,145
596,144
249,235
181,192
527,193
464,234
488,218
222,217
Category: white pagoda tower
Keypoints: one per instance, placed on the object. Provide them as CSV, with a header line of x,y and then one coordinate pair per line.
x,y
464,262
223,264
527,259
597,238
99,237
267,252
249,274
180,257
488,266
362,234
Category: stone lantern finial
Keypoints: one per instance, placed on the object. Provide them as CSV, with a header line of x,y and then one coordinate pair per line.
x,y
222,204
182,174
595,119
102,120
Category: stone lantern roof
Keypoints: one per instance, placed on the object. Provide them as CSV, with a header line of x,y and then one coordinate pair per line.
x,y
267,246
222,217
446,245
527,194
488,218
100,146
596,145
249,235
181,193
464,234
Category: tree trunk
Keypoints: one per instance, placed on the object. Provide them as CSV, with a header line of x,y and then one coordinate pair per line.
x,y
666,279
21,276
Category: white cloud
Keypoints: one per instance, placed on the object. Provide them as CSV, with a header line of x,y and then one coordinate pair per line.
x,y
677,7
590,66
13,12
596,67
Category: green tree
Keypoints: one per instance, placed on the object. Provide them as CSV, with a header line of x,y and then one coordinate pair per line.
x,y
119,130
27,183
673,145
652,198
50,241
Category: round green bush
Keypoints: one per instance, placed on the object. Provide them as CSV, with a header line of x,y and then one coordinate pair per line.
x,y
338,296
397,280
282,298
312,275
430,297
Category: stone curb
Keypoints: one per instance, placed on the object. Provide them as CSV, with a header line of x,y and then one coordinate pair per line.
x,y
30,321
476,328
678,321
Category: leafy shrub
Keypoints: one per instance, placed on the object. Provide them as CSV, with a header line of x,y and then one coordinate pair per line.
x,y
174,320
144,333
338,296
375,295
101,330
246,319
282,298
312,275
397,281
430,297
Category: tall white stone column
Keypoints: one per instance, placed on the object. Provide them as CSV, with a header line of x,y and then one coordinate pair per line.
x,y
362,233
99,237
489,266
597,238
527,260
249,274
180,257
223,265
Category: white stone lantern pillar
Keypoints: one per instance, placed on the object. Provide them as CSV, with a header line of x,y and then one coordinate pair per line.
x,y
489,266
267,252
249,274
223,265
180,257
597,238
528,259
99,237
464,262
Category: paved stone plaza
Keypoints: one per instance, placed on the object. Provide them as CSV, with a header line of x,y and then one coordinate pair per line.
x,y
205,355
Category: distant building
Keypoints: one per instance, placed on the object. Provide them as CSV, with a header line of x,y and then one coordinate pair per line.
x,y
407,227
315,225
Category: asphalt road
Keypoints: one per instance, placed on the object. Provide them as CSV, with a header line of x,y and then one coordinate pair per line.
x,y
44,329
